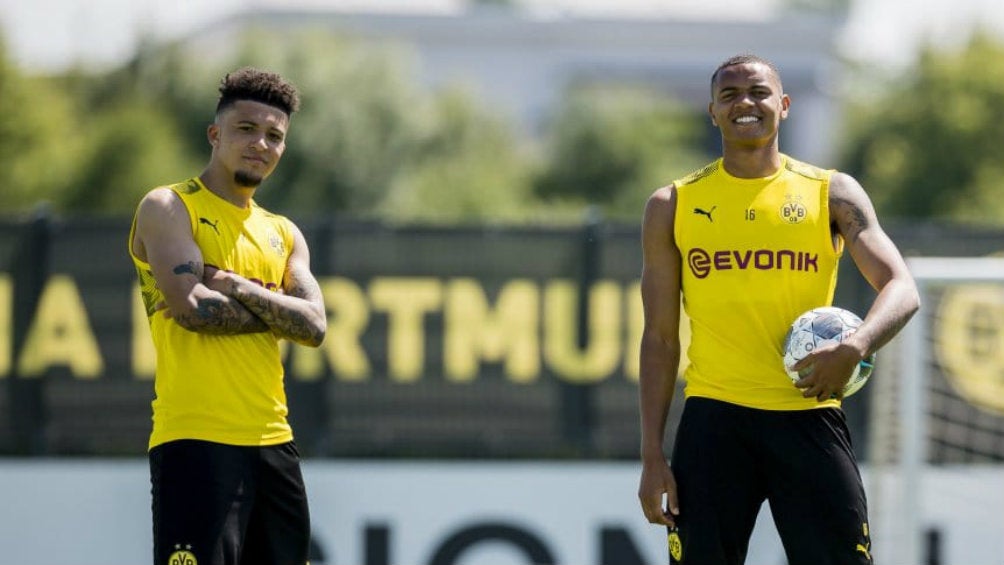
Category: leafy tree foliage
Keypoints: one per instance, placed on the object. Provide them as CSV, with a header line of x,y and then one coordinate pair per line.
x,y
84,143
467,168
41,140
613,145
368,140
359,121
132,149
931,148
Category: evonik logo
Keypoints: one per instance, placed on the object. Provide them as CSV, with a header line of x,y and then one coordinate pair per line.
x,y
702,262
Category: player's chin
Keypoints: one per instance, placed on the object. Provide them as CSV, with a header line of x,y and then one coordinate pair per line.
x,y
248,179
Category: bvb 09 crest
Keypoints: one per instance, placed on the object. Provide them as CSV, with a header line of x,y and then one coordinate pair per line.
x,y
675,547
275,241
182,557
969,329
793,211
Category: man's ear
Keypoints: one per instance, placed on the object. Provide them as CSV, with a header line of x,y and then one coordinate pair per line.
x,y
213,134
710,113
785,103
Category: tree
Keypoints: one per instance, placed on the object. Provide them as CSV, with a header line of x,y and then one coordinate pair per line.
x,y
133,148
931,148
613,145
369,141
467,168
41,140
84,142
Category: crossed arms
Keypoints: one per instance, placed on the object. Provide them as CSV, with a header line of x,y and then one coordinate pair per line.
x,y
207,300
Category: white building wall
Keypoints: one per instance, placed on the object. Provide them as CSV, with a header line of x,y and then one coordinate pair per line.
x,y
97,512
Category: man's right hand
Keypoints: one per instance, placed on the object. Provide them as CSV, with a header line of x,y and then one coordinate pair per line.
x,y
656,482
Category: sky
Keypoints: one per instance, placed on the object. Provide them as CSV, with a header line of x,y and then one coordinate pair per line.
x,y
50,35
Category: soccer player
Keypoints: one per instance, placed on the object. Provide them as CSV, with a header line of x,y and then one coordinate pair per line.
x,y
750,242
223,280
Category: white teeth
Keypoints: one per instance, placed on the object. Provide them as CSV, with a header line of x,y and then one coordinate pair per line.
x,y
746,119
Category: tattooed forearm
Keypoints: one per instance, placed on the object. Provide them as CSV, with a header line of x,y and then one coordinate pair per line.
x,y
221,317
289,323
298,316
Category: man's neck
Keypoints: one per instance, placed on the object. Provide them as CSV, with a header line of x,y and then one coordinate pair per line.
x,y
227,189
752,163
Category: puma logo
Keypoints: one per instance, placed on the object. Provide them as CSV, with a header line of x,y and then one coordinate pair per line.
x,y
210,224
864,549
707,213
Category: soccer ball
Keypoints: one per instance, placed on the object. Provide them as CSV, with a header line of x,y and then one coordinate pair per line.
x,y
819,327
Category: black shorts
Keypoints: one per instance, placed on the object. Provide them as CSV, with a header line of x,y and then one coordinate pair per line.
x,y
728,459
216,504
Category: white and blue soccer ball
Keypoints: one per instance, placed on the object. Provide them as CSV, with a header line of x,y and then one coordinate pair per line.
x,y
819,327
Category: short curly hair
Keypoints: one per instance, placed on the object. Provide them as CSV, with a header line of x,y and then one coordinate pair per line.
x,y
249,83
743,59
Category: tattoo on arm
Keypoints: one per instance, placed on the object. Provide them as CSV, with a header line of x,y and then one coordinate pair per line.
x,y
287,323
216,315
853,219
190,268
298,324
222,317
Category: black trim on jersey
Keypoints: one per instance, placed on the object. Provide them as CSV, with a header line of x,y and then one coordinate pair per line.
x,y
699,174
804,169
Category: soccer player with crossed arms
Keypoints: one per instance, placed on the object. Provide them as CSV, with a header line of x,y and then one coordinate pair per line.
x,y
223,280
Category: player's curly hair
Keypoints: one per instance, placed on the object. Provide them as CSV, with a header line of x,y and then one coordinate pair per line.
x,y
743,59
249,83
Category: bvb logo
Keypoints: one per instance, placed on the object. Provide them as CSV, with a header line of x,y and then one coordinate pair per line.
x,y
793,211
675,547
182,557
276,243
968,340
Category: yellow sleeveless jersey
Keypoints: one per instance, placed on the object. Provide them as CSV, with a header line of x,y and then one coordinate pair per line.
x,y
225,389
756,253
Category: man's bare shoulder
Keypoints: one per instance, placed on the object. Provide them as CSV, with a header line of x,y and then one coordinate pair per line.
x,y
663,196
160,195
847,195
159,201
843,184
660,209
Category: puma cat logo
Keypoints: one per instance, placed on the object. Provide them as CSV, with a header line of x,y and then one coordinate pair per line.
x,y
210,224
707,213
864,549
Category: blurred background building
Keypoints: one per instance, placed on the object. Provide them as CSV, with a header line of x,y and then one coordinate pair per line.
x,y
521,59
